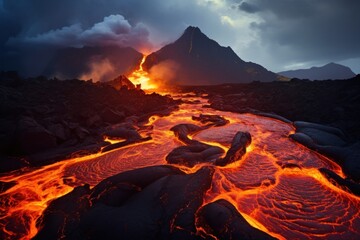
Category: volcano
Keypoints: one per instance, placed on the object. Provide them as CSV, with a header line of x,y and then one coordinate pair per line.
x,y
202,61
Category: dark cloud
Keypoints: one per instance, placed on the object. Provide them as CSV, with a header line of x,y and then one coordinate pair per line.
x,y
282,32
113,30
248,7
308,31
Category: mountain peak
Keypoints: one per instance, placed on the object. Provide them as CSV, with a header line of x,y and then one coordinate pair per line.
x,y
191,29
201,60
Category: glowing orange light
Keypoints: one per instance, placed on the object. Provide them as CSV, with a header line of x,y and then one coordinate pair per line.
x,y
142,77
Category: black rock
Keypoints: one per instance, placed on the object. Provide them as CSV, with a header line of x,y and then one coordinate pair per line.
x,y
165,209
182,131
345,184
213,120
114,190
32,137
62,217
194,154
238,148
222,220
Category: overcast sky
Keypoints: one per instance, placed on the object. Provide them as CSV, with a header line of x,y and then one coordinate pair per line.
x,y
278,34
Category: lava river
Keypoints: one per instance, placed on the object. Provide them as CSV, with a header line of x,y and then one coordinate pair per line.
x,y
276,185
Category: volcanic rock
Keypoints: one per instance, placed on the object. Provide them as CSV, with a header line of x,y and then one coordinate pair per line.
x,y
122,133
62,217
321,134
124,143
58,131
194,154
347,156
238,148
221,219
120,82
213,120
111,116
182,131
33,137
345,184
165,209
116,189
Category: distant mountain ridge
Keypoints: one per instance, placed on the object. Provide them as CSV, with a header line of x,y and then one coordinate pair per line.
x,y
202,61
111,61
328,71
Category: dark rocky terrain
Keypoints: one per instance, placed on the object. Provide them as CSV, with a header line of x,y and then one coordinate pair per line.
x,y
43,120
334,103
328,71
161,204
202,61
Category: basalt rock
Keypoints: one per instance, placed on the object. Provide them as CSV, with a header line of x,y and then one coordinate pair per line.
x,y
222,220
238,148
165,209
345,184
122,133
182,131
116,189
124,143
111,116
330,142
62,217
32,137
211,120
194,154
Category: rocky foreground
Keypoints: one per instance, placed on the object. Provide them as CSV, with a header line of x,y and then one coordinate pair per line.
x,y
46,120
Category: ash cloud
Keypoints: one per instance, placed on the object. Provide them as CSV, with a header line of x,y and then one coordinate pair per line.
x,y
113,30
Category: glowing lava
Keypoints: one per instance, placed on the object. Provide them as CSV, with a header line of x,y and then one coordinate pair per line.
x,y
276,186
141,77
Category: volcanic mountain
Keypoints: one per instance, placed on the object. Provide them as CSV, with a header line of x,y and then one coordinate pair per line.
x,y
103,63
202,61
328,71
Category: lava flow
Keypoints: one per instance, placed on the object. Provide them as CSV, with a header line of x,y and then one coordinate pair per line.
x,y
276,185
141,77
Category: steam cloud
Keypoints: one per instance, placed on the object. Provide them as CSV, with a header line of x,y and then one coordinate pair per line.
x,y
113,30
100,70
164,72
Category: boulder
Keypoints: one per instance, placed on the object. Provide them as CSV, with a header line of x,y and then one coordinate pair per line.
x,y
345,184
165,209
212,120
61,217
238,148
58,131
32,137
194,154
122,133
111,116
115,190
182,131
222,220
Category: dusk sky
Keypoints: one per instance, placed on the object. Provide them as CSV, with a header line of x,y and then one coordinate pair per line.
x,y
278,34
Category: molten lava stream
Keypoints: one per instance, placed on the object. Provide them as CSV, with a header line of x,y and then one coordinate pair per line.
x,y
276,185
141,77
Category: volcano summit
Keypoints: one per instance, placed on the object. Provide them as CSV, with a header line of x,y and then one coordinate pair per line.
x,y
202,61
